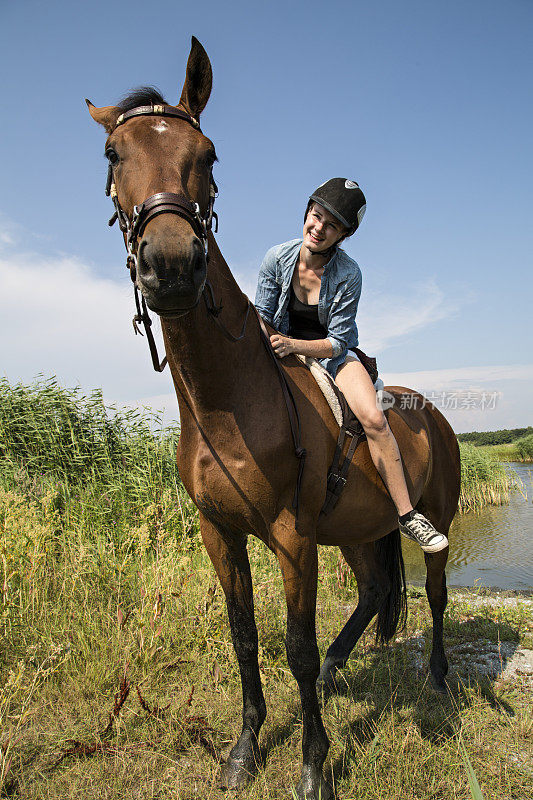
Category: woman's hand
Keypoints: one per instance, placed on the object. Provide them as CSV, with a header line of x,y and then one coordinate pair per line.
x,y
282,345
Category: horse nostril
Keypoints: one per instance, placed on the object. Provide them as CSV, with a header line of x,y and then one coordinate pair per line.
x,y
199,259
142,264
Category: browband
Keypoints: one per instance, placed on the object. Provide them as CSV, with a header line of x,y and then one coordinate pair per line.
x,y
157,111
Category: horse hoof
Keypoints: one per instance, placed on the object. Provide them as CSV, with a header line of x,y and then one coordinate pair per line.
x,y
318,789
235,775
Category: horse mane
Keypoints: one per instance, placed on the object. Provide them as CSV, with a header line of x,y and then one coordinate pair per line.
x,y
142,96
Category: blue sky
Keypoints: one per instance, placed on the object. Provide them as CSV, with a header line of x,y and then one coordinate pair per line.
x,y
425,104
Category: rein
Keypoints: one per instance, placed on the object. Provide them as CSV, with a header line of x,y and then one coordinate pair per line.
x,y
173,203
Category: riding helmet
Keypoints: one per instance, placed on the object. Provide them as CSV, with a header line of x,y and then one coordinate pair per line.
x,y
344,199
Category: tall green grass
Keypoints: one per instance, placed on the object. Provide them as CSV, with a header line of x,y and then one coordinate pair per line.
x,y
102,466
484,480
525,448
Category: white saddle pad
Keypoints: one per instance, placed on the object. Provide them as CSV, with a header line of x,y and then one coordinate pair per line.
x,y
324,381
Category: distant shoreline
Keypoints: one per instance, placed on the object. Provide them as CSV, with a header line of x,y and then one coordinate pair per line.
x,y
483,592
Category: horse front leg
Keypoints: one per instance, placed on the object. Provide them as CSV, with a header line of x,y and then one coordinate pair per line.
x,y
298,559
228,553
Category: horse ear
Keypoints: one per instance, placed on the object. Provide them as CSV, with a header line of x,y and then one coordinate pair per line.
x,y
106,116
198,80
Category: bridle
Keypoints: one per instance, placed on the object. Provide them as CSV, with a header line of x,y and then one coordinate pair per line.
x,y
164,203
174,203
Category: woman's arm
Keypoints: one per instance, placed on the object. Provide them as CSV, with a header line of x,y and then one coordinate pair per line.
x,y
316,348
341,324
268,289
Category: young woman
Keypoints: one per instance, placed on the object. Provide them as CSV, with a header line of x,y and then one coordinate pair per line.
x,y
309,289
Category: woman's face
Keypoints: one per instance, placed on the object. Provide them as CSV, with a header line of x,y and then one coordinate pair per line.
x,y
321,229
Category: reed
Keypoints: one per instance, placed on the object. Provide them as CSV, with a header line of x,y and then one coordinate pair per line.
x,y
525,448
103,467
484,480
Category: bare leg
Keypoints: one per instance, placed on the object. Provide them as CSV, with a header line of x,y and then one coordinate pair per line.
x,y
230,559
354,382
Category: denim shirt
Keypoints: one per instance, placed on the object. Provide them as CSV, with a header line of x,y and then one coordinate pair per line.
x,y
340,291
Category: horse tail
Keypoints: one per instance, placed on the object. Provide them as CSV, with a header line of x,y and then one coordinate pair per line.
x,y
393,613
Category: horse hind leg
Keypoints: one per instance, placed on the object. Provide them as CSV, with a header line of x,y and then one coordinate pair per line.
x,y
378,569
437,594
229,555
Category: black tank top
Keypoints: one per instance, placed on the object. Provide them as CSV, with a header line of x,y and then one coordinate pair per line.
x,y
303,320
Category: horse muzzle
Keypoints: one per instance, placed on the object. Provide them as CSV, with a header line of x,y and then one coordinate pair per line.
x,y
171,283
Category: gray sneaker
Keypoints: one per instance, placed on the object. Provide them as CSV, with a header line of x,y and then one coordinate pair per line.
x,y
421,531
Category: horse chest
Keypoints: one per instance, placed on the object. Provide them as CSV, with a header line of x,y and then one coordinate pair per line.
x,y
213,474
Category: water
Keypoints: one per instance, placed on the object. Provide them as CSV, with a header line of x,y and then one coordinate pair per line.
x,y
492,547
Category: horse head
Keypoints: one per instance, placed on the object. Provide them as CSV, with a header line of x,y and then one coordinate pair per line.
x,y
162,186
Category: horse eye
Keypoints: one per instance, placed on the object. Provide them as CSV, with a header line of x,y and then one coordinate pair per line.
x,y
112,156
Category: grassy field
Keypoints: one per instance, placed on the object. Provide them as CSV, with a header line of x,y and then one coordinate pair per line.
x,y
79,616
521,450
117,672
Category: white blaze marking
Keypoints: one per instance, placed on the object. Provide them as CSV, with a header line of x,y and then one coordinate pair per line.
x,y
160,126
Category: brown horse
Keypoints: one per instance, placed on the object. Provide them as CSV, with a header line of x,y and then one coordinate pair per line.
x,y
235,455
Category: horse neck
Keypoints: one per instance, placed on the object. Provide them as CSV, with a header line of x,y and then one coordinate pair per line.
x,y
208,369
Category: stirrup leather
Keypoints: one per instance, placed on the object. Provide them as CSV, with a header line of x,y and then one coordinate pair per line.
x,y
338,472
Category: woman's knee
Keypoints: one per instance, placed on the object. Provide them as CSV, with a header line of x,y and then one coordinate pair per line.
x,y
374,422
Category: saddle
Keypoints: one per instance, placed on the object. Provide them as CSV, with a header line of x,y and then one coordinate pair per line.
x,y
350,427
